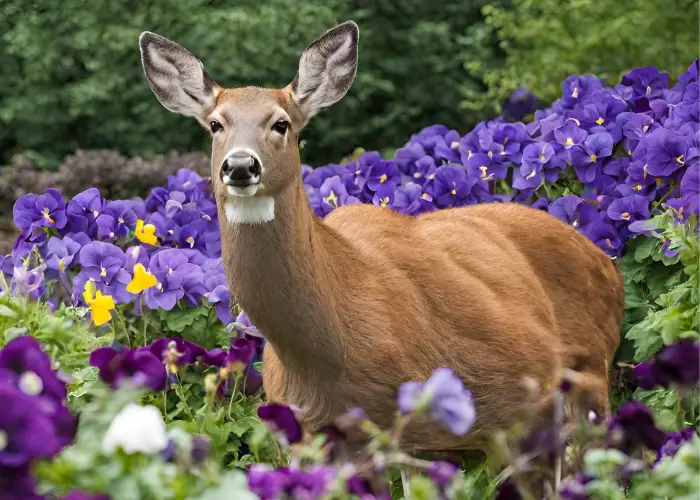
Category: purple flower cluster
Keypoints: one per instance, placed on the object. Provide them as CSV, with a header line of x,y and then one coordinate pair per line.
x,y
153,365
35,422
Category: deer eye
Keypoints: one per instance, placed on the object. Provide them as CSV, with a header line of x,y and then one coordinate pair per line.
x,y
280,126
215,126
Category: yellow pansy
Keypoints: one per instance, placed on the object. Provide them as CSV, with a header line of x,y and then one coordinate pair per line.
x,y
146,233
142,280
99,304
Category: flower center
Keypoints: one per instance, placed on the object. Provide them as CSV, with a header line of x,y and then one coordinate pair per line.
x,y
383,178
170,270
625,215
61,265
190,240
594,158
47,216
417,175
574,94
454,188
103,273
332,199
680,159
95,213
490,153
431,176
357,172
645,128
384,201
121,221
569,141
484,170
648,90
30,383
454,145
426,196
600,120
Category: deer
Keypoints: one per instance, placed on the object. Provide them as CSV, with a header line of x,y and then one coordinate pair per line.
x,y
365,299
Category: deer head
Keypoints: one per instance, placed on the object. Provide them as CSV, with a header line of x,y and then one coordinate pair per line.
x,y
255,131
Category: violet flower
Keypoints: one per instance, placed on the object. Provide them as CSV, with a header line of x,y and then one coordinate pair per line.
x,y
282,422
444,397
137,366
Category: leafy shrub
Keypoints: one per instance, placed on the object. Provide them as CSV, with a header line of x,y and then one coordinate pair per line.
x,y
74,72
547,40
620,165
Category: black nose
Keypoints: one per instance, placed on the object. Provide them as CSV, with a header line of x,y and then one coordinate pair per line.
x,y
240,168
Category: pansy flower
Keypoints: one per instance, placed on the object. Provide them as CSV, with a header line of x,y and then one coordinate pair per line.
x,y
667,152
115,220
137,366
333,194
32,212
588,157
83,209
173,272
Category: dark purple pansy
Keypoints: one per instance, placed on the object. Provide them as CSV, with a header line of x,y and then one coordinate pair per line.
x,y
137,366
384,196
573,210
62,253
282,421
520,103
115,220
632,426
175,276
24,357
676,365
408,199
27,432
240,353
267,483
675,440
587,158
604,235
186,353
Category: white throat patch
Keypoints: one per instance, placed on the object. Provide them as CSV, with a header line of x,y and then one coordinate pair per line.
x,y
250,209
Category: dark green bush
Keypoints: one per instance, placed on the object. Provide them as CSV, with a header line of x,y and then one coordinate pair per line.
x,y
71,75
545,41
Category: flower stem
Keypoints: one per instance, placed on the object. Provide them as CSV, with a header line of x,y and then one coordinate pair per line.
x,y
126,332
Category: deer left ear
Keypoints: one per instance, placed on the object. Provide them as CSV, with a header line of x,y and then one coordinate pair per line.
x,y
177,77
326,70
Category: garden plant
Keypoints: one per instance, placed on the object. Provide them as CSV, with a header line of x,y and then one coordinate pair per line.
x,y
129,372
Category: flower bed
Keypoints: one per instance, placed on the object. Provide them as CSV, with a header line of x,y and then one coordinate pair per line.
x,y
167,379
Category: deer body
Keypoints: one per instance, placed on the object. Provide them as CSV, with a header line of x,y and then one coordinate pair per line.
x,y
356,304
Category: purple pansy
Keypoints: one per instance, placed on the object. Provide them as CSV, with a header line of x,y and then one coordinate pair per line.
x,y
667,152
444,397
573,210
539,163
520,103
451,187
408,199
185,352
676,365
115,220
570,134
282,421
62,253
173,273
333,194
604,235
137,366
587,158
576,89
675,440
32,212
690,188
83,210
629,208
646,82
633,425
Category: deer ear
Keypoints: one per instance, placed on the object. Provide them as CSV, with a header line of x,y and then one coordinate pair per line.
x,y
326,70
177,77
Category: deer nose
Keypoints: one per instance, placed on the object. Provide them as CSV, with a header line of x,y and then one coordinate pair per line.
x,y
240,170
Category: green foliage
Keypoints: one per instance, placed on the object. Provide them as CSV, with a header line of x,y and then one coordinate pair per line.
x,y
545,41
74,73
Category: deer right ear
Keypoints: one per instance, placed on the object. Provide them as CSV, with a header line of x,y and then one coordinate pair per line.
x,y
326,70
177,77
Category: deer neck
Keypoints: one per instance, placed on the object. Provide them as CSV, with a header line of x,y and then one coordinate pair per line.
x,y
280,272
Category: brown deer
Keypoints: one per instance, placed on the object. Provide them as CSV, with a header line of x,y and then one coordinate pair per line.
x,y
356,304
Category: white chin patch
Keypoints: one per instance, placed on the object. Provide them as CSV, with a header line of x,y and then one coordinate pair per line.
x,y
242,191
248,209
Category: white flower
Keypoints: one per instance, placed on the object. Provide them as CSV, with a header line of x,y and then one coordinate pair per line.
x,y
136,429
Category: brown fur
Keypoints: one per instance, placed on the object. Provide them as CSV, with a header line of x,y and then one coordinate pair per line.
x,y
358,303
366,299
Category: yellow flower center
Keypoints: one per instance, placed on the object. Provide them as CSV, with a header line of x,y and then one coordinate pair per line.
x,y
645,128
170,270
103,273
358,172
574,94
383,178
625,215
484,170
61,265
120,220
638,187
331,199
648,90
95,213
425,196
600,120
417,175
569,141
47,216
384,201
680,159
490,153
594,157
190,240
431,176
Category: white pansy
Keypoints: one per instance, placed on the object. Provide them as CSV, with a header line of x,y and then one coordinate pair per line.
x,y
136,429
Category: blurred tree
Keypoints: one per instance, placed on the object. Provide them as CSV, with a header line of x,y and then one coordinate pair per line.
x,y
547,40
71,75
